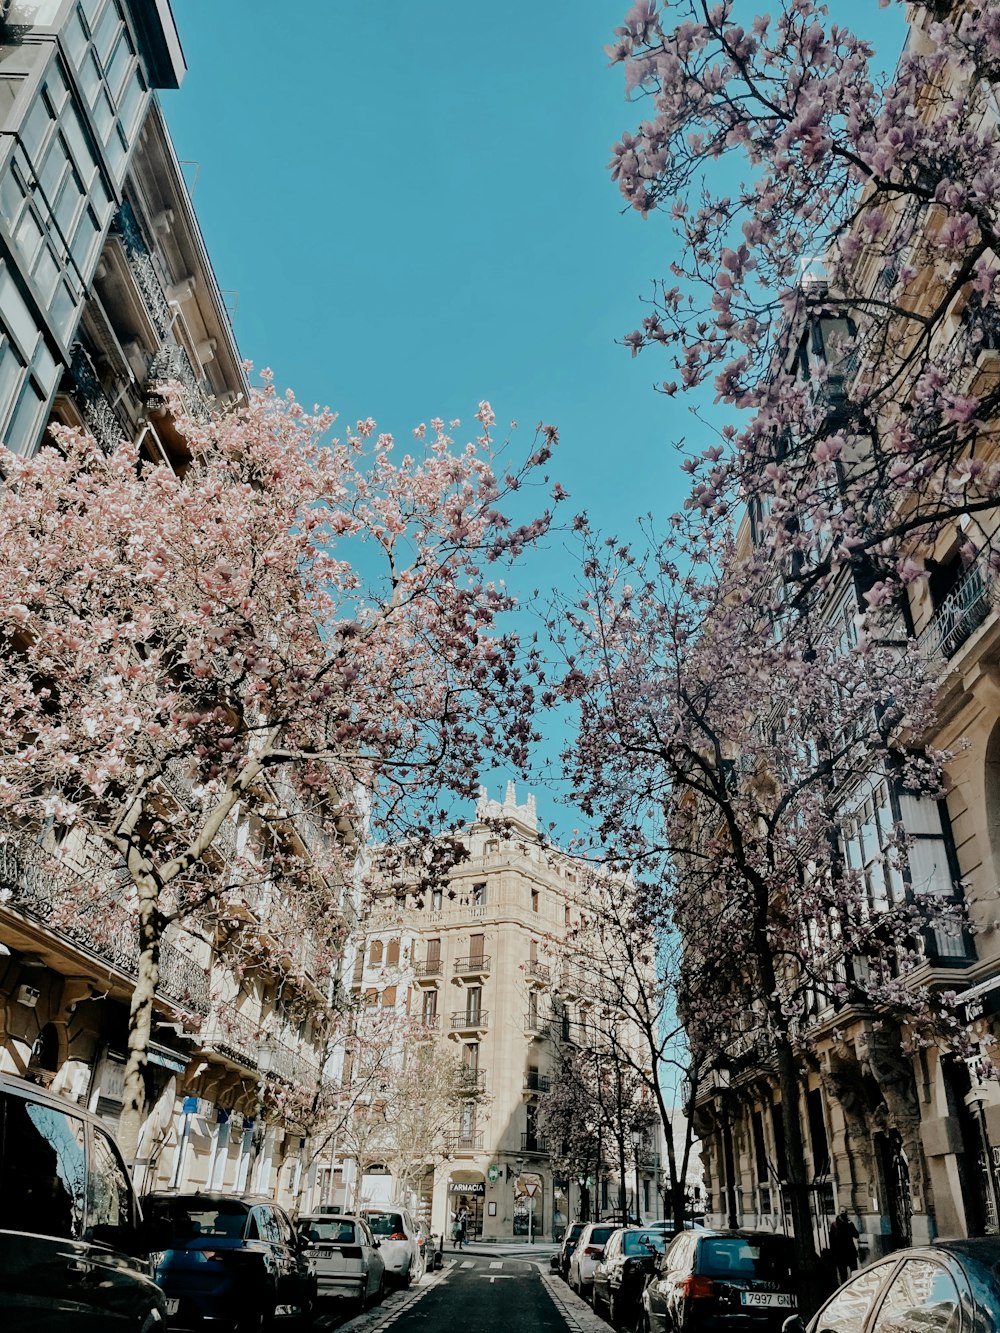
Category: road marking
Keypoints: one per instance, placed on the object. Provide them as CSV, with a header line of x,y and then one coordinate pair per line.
x,y
496,1263
468,1263
499,1277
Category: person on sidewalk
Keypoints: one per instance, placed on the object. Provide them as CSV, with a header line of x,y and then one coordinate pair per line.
x,y
844,1236
463,1222
456,1232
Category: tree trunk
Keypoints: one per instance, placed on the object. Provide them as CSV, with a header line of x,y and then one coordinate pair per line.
x,y
140,1020
812,1288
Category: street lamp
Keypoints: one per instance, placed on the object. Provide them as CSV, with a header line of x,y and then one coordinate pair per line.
x,y
636,1144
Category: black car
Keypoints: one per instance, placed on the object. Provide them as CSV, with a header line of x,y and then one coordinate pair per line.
x,y
74,1251
231,1259
948,1287
726,1281
630,1254
573,1233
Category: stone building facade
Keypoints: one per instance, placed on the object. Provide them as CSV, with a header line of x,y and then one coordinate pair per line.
x,y
484,962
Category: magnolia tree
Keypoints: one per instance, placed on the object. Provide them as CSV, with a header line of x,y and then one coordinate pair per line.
x,y
836,277
295,621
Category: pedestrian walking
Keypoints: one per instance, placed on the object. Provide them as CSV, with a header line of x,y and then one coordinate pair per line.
x,y
844,1236
456,1231
463,1222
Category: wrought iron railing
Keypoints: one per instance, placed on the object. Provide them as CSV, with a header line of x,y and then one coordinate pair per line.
x,y
959,615
474,963
535,1082
99,415
140,262
459,1142
234,1035
536,971
534,1143
427,967
469,1018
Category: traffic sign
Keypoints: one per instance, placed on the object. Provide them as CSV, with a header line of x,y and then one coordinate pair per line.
x,y
531,1188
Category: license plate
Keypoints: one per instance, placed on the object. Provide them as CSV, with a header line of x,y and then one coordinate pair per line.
x,y
782,1299
173,1304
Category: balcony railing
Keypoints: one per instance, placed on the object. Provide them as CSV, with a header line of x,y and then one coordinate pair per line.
x,y
99,415
475,965
959,615
464,1020
41,888
430,1020
536,971
474,1079
142,268
234,1036
427,967
291,1064
458,1142
534,1143
535,1082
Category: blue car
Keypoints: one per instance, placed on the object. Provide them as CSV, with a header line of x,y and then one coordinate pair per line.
x,y
233,1263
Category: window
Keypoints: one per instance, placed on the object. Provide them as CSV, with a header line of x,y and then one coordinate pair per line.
x,y
389,997
848,1310
478,894
921,1295
430,1008
375,954
473,1004
392,954
534,900
470,1057
42,1170
437,900
476,946
434,951
109,1194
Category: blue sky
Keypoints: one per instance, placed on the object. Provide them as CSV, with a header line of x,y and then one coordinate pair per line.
x,y
411,202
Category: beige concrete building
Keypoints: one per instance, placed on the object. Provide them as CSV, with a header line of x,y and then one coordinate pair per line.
x,y
483,962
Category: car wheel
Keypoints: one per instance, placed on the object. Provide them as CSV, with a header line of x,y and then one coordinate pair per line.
x,y
406,1279
380,1292
614,1318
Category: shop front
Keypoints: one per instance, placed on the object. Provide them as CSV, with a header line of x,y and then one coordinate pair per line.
x,y
467,1190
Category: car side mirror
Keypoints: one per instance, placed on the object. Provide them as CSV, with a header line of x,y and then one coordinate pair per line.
x,y
377,1243
793,1324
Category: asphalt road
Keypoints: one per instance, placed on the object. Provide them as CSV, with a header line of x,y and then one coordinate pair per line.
x,y
482,1289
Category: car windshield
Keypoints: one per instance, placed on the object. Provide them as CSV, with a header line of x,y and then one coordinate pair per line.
x,y
192,1219
764,1256
574,1231
600,1234
328,1229
386,1224
643,1242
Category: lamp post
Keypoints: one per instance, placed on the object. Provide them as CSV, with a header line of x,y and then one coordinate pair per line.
x,y
636,1144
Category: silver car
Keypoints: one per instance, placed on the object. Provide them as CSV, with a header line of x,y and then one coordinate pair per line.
x,y
344,1255
398,1239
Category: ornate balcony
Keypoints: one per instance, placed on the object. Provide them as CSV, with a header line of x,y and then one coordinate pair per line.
x,y
427,969
535,1082
458,1143
540,974
534,1143
474,1020
475,965
474,1080
959,615
235,1036
99,415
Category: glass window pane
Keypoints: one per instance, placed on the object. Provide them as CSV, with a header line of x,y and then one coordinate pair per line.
x,y
22,433
847,1312
78,145
108,27
56,88
46,274
85,239
919,814
28,237
11,368
104,117
75,38
132,102
44,368
921,1296
36,127
117,151
119,66
68,202
63,310
42,1170
929,872
109,1197
90,78
16,314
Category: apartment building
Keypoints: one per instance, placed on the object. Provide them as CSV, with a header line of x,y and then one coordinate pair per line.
x,y
486,963
904,1134
106,293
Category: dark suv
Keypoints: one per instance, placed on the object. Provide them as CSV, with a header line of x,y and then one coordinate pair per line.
x,y
727,1281
73,1247
572,1235
230,1259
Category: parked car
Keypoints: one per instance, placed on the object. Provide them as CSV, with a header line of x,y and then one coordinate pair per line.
x,y
630,1254
398,1238
951,1286
232,1258
583,1260
716,1279
569,1240
425,1240
344,1255
74,1250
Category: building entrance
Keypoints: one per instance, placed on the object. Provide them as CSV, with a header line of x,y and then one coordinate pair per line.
x,y
468,1194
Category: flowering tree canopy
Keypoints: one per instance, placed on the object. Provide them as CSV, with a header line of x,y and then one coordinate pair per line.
x,y
837,273
292,626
